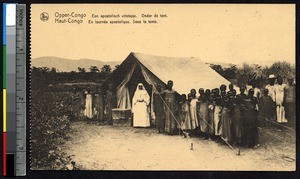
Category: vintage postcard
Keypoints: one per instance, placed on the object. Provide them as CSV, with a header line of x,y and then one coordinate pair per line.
x,y
163,87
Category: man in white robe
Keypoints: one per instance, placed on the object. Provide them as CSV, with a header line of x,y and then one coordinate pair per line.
x,y
271,87
140,102
271,92
279,91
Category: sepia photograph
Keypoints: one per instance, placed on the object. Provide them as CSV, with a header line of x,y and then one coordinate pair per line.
x,y
167,87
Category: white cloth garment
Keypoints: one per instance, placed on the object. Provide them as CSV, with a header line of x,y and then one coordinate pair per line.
x,y
140,104
88,106
279,95
217,118
193,111
271,91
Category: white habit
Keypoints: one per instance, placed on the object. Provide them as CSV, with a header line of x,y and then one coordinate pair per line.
x,y
140,104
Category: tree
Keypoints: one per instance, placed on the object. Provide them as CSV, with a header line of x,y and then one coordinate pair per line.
x,y
94,69
42,76
217,68
245,74
106,69
81,70
283,69
117,66
53,70
230,72
249,74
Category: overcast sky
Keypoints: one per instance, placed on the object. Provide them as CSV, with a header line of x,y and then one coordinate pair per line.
x,y
223,33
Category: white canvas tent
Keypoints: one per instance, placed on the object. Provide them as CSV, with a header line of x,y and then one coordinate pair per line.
x,y
186,73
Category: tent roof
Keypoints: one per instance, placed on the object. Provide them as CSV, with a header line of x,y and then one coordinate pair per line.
x,y
186,73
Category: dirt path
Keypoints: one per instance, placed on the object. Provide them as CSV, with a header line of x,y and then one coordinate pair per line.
x,y
125,148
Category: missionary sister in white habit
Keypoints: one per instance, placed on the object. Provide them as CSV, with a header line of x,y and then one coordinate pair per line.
x,y
140,102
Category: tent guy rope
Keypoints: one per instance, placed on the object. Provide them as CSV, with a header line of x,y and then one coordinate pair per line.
x,y
230,146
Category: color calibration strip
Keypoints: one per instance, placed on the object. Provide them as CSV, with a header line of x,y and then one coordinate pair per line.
x,y
4,89
14,78
9,82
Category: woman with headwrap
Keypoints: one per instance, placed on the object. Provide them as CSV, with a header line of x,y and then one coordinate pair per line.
x,y
140,104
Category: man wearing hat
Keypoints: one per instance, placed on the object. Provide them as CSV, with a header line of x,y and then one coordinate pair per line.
x,y
271,90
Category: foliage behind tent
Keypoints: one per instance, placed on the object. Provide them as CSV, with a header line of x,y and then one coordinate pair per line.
x,y
255,73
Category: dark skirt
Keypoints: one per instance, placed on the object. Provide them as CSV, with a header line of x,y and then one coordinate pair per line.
x,y
170,122
160,120
250,131
236,126
226,125
100,112
77,107
290,112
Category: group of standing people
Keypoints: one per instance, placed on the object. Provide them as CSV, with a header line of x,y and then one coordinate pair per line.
x,y
165,107
217,114
223,115
97,105
283,95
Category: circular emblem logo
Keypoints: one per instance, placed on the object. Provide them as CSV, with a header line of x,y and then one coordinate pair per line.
x,y
44,16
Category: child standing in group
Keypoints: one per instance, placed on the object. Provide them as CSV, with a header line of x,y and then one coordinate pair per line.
x,y
185,116
99,106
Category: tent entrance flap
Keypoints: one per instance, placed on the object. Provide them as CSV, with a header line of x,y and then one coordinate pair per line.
x,y
123,96
126,89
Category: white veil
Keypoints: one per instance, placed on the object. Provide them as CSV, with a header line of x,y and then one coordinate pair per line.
x,y
140,94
